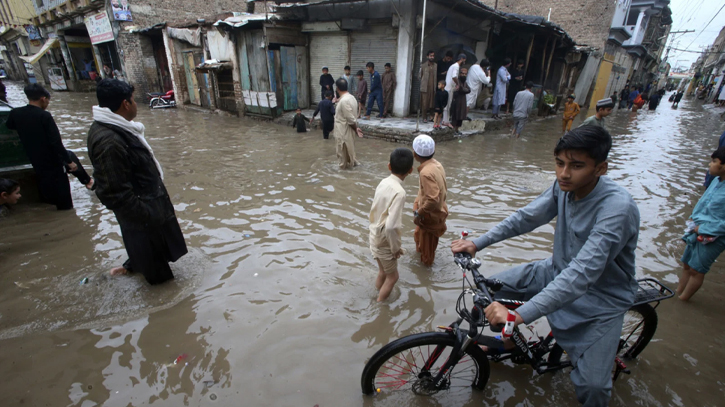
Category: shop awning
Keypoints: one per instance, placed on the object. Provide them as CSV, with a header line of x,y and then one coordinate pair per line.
x,y
34,58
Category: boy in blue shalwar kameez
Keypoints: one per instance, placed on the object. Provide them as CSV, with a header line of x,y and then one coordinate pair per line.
x,y
709,222
588,284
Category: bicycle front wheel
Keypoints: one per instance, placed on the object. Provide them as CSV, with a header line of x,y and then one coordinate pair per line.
x,y
409,365
640,324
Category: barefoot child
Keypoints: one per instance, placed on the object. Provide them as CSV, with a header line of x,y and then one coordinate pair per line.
x,y
441,101
386,221
707,222
571,110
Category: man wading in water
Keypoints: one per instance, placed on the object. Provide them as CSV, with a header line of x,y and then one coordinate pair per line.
x,y
345,127
129,182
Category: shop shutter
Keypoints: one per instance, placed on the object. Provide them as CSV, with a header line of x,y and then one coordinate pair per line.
x,y
378,44
330,50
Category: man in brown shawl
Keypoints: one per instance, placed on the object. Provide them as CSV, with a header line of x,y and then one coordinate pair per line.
x,y
345,128
430,206
428,76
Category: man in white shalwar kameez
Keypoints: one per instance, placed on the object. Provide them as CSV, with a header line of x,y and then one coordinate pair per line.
x,y
477,77
499,94
346,128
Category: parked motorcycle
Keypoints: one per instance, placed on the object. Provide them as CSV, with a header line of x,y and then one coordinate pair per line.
x,y
161,100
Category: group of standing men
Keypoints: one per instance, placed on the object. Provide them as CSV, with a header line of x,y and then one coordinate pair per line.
x,y
446,76
381,91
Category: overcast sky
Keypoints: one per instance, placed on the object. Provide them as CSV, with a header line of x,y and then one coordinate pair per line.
x,y
694,15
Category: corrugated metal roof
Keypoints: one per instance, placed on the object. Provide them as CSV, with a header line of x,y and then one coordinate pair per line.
x,y
244,19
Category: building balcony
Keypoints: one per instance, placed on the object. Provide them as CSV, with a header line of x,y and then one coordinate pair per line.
x,y
654,4
619,35
636,50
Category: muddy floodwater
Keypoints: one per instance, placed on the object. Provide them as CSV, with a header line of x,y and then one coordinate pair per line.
x,y
275,303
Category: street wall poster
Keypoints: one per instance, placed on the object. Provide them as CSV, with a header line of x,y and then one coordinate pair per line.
x,y
33,33
99,28
121,12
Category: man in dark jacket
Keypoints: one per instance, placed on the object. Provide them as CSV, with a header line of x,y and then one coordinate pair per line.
x,y
129,182
42,144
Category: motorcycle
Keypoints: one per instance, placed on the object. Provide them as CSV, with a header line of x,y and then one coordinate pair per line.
x,y
161,100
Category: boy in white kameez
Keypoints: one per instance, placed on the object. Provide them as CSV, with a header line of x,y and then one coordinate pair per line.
x,y
386,221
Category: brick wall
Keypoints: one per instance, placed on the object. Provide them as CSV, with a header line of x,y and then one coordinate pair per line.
x,y
136,51
586,21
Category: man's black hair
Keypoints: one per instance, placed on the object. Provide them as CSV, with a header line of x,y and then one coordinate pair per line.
x,y
34,92
388,64
719,154
9,186
529,85
430,51
346,68
360,73
426,158
401,161
111,93
593,140
370,65
506,61
341,84
519,62
484,63
449,53
328,94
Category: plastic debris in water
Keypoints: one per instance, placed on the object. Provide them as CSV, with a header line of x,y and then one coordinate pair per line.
x,y
247,235
256,274
460,141
84,281
180,358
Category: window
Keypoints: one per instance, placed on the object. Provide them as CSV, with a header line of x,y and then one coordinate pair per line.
x,y
632,16
39,3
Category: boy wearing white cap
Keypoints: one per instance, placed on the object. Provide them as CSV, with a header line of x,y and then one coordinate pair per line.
x,y
430,206
386,221
604,109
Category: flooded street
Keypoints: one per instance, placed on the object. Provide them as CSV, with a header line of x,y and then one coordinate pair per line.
x,y
275,303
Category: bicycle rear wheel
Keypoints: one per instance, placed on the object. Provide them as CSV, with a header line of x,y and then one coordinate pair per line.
x,y
409,364
640,324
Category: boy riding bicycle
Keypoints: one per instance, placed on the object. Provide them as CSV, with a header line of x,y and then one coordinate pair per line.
x,y
589,283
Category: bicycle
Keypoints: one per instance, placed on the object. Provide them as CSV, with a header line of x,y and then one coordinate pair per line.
x,y
430,362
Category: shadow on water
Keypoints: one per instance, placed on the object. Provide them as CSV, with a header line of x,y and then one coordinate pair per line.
x,y
275,304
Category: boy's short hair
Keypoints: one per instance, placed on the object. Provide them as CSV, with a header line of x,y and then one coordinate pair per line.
x,y
449,53
111,93
360,73
346,68
341,84
443,82
388,65
593,140
34,92
506,61
719,154
298,110
401,161
370,65
529,84
9,185
328,94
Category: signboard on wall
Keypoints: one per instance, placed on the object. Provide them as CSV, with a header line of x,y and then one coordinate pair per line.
x,y
33,33
121,12
99,28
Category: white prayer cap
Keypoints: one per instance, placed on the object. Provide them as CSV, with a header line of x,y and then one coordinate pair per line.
x,y
424,146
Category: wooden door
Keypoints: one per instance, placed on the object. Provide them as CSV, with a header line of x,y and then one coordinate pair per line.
x,y
203,81
192,82
288,59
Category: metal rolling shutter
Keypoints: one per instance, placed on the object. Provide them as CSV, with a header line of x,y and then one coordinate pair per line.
x,y
378,44
330,50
